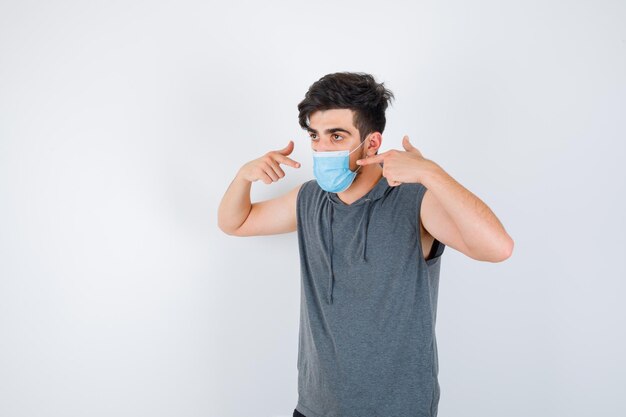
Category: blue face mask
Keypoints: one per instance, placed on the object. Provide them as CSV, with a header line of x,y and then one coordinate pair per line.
x,y
332,170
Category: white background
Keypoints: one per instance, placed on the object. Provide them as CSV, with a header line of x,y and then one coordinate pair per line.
x,y
123,122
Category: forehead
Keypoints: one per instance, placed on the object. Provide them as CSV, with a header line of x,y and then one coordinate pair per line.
x,y
332,118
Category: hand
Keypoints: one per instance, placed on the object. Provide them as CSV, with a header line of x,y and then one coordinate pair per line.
x,y
267,168
399,166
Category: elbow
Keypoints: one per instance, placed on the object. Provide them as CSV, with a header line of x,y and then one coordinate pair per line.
x,y
223,229
496,254
227,231
506,250
231,231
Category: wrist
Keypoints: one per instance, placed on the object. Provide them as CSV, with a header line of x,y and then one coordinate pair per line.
x,y
431,172
241,177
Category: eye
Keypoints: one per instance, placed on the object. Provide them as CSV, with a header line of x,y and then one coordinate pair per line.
x,y
313,136
339,136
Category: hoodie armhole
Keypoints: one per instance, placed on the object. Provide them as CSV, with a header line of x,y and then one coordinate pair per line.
x,y
438,247
298,201
300,196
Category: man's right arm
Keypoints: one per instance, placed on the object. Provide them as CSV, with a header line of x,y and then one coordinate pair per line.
x,y
237,216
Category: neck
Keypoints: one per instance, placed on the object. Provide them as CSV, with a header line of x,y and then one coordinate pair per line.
x,y
363,183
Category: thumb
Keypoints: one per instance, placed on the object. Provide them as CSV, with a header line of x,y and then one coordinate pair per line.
x,y
287,149
407,145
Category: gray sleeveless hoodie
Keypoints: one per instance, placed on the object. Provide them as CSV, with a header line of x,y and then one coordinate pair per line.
x,y
367,345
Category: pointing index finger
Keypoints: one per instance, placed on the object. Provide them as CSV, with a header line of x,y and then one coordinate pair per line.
x,y
371,160
288,161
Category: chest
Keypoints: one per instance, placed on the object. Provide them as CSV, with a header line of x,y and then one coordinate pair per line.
x,y
378,235
351,230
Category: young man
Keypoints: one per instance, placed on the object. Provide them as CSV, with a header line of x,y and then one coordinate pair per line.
x,y
371,231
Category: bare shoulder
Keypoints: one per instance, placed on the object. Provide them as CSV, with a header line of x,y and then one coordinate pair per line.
x,y
291,197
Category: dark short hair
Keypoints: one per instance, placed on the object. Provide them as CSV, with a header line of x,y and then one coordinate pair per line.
x,y
356,91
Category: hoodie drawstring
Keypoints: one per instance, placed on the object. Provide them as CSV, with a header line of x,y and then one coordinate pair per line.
x,y
331,275
366,216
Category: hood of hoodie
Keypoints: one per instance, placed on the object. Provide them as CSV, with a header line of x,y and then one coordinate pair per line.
x,y
364,203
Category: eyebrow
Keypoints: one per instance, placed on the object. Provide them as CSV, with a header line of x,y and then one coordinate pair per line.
x,y
328,131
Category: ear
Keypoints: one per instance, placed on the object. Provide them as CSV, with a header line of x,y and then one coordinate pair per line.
x,y
375,140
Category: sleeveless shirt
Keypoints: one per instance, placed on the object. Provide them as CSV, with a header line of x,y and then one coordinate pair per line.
x,y
367,345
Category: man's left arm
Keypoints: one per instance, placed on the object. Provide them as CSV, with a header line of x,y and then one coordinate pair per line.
x,y
450,212
455,216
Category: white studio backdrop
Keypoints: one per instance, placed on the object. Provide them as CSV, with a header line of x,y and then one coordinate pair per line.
x,y
122,124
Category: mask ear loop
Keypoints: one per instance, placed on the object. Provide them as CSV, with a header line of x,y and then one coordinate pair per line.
x,y
356,147
356,170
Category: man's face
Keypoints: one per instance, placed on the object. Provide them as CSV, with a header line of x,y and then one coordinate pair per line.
x,y
332,130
